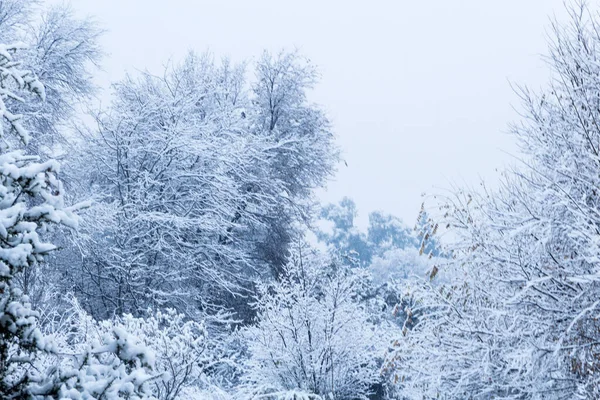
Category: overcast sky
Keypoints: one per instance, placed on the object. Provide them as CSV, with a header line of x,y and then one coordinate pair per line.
x,y
418,91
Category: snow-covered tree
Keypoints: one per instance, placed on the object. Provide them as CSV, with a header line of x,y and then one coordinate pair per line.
x,y
399,264
338,230
31,200
385,233
60,50
173,175
191,189
302,151
520,318
313,334
63,51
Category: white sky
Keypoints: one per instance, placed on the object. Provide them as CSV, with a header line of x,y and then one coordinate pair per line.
x,y
418,91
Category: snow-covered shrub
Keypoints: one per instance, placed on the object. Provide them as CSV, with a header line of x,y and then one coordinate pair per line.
x,y
312,335
184,357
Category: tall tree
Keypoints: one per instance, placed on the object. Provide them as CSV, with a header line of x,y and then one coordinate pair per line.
x,y
302,150
197,195
520,318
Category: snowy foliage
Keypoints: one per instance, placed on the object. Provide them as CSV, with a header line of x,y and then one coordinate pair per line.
x,y
183,354
337,229
190,187
341,234
313,334
30,200
61,51
520,320
400,264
